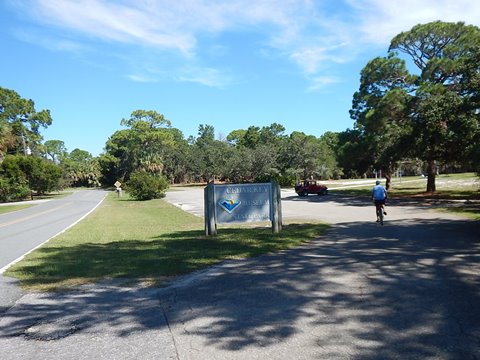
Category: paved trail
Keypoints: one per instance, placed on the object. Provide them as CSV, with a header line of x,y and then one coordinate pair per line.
x,y
407,290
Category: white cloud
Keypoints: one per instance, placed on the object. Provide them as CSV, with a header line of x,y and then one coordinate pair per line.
x,y
162,23
206,76
51,43
142,78
379,21
313,34
320,82
311,58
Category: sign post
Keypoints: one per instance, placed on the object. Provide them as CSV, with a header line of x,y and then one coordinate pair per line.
x,y
118,189
276,208
209,210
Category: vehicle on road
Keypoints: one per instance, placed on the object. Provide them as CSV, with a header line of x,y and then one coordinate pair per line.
x,y
305,187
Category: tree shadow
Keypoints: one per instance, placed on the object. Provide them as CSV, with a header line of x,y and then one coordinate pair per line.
x,y
337,198
402,291
406,290
122,310
363,200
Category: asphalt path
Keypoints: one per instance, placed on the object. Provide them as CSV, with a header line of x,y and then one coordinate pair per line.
x,y
407,290
24,230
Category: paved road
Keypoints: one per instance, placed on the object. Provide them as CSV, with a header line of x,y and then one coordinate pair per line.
x,y
407,290
334,209
24,230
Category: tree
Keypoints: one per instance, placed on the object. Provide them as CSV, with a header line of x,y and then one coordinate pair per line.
x,y
81,168
272,134
303,156
144,145
439,49
146,118
264,163
353,154
20,123
235,137
239,167
427,115
43,176
13,181
380,111
208,157
120,158
470,89
109,169
251,137
7,139
175,160
39,174
149,139
55,149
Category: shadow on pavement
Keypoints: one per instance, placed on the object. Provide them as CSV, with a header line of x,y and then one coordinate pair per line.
x,y
337,198
402,291
364,200
407,290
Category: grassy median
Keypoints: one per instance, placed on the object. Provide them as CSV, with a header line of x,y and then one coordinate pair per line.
x,y
151,241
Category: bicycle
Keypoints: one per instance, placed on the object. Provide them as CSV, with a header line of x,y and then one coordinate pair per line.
x,y
380,211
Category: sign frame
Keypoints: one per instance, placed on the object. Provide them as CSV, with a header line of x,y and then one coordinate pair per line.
x,y
239,203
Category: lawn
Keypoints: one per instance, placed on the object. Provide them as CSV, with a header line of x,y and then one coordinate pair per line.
x,y
9,208
460,192
152,241
6,207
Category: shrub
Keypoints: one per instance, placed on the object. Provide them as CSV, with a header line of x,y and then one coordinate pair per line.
x,y
13,190
13,182
43,175
146,186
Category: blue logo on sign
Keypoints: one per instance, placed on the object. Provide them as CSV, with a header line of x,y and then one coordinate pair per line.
x,y
229,204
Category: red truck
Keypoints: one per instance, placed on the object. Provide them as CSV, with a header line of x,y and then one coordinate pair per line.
x,y
305,187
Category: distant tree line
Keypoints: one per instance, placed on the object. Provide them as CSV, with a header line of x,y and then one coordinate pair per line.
x,y
255,154
410,122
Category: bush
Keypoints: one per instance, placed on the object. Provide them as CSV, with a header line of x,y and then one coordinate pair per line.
x,y
282,180
146,186
286,180
13,190
41,175
13,182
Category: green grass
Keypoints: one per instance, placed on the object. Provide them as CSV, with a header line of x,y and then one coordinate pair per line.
x,y
462,189
9,208
151,241
468,210
455,186
56,195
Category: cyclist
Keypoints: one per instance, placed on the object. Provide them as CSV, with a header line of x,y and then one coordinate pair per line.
x,y
379,196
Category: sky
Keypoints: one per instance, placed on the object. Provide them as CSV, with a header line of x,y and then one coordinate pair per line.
x,y
230,64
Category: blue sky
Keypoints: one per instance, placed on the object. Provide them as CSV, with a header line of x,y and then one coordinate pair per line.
x,y
230,64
